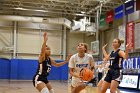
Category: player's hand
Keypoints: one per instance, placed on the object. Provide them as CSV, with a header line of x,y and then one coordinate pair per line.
x,y
104,46
80,77
128,45
68,57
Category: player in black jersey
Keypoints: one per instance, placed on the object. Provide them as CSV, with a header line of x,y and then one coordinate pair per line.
x,y
40,79
114,74
105,68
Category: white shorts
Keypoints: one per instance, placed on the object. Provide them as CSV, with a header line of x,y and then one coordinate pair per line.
x,y
75,81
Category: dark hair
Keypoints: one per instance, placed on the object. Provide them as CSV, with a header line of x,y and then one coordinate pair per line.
x,y
47,46
86,46
120,41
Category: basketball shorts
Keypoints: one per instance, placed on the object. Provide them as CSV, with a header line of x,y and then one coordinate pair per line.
x,y
114,74
75,81
39,79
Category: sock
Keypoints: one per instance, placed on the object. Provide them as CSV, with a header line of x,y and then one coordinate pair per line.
x,y
45,90
51,91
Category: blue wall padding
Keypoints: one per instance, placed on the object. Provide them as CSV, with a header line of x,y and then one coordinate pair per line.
x,y
54,73
25,69
64,72
4,68
59,73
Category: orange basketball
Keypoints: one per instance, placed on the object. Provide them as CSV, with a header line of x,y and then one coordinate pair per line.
x,y
86,74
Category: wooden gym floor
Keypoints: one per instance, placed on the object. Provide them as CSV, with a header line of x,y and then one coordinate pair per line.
x,y
27,87
59,87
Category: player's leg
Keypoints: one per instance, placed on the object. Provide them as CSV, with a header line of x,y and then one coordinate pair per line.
x,y
50,87
113,86
105,86
116,78
118,91
39,83
41,87
99,86
80,86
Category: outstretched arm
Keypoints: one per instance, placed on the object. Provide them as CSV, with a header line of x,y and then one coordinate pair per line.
x,y
61,63
105,53
43,49
124,54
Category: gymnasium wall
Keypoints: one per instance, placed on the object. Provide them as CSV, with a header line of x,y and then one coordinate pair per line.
x,y
24,69
5,36
29,42
76,38
73,40
30,38
109,36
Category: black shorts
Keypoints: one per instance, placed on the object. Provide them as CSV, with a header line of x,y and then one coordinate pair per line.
x,y
114,74
38,78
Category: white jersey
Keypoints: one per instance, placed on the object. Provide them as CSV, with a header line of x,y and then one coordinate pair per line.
x,y
106,66
78,63
100,69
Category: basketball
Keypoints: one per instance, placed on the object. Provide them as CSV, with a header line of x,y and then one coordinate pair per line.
x,y
86,74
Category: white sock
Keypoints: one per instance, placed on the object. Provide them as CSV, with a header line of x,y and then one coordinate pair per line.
x,y
51,91
45,90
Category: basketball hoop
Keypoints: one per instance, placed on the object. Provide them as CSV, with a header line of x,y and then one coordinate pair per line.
x,y
95,48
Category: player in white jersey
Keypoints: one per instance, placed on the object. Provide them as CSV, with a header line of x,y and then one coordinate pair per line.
x,y
76,63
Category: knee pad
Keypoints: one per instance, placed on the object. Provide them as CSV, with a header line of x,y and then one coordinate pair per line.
x,y
45,90
51,91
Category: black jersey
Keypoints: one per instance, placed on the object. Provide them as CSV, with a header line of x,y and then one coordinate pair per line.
x,y
44,67
115,60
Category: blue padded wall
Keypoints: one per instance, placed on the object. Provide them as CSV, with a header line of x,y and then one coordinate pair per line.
x,y
25,69
4,68
59,73
14,69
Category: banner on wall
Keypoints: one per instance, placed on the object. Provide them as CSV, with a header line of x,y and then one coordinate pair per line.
x,y
137,4
102,21
109,16
131,63
122,36
119,12
130,34
129,7
137,36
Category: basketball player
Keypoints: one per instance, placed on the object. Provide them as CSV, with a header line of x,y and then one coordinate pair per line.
x,y
105,68
114,75
77,62
100,71
40,79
